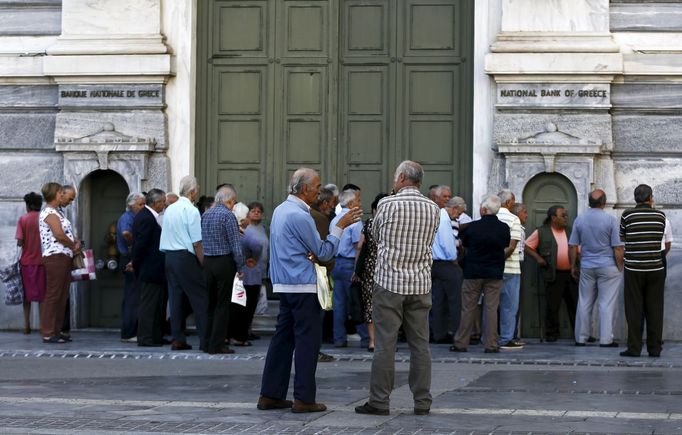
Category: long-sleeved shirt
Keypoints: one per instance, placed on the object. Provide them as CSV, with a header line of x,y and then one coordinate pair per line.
x,y
444,244
181,226
293,236
220,234
350,237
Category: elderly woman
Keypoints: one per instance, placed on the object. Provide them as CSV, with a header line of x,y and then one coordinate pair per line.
x,y
59,246
32,269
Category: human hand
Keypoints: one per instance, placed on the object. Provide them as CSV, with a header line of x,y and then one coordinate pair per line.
x,y
250,262
129,267
353,215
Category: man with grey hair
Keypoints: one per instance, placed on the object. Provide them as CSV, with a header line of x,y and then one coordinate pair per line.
x,y
404,228
295,245
222,259
124,242
485,241
181,242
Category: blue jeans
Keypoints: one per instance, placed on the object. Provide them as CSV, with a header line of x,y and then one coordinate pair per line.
x,y
509,306
342,274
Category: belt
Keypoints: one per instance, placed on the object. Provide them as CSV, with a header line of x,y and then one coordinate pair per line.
x,y
443,261
345,258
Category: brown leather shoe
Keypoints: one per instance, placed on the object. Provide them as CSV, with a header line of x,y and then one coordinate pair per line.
x,y
179,345
300,407
224,350
266,403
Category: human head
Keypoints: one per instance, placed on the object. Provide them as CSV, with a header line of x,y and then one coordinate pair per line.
x,y
441,195
33,201
156,200
241,212
519,210
432,192
408,173
335,192
351,186
227,196
68,195
135,202
490,205
454,208
375,203
507,198
597,198
171,198
51,192
326,200
189,188
557,217
644,194
460,203
349,198
204,203
305,184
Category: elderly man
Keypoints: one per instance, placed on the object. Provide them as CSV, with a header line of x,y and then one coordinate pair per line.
x,y
642,229
445,274
147,262
222,259
509,297
344,266
181,242
601,266
404,228
295,241
486,241
548,246
124,241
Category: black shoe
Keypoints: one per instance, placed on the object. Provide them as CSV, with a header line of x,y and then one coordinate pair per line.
x,y
579,344
511,345
421,411
551,339
591,339
323,357
369,409
655,354
493,350
612,344
629,353
458,349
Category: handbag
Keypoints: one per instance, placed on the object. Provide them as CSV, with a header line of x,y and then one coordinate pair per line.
x,y
14,287
324,289
238,292
87,271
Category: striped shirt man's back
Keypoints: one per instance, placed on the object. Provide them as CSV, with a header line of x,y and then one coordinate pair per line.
x,y
642,229
404,228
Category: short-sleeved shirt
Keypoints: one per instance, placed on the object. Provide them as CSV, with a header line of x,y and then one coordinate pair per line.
x,y
181,226
512,264
50,245
350,238
667,234
125,223
28,232
642,230
597,233
562,261
445,243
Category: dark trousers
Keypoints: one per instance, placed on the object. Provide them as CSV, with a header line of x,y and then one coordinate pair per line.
x,y
241,317
644,293
298,330
53,307
131,301
152,312
563,288
185,276
219,272
446,295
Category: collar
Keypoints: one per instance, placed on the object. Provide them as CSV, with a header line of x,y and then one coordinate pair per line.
x,y
643,205
299,202
154,213
406,189
184,198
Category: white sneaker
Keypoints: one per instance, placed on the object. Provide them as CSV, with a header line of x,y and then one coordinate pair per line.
x,y
129,340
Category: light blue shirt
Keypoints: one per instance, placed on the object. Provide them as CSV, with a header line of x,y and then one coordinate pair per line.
x,y
444,244
181,226
597,233
350,238
293,236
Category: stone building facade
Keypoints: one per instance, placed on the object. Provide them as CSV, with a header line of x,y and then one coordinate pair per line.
x,y
568,95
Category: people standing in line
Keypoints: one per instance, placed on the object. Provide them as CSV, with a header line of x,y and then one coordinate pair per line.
x,y
548,246
519,210
223,259
299,330
344,267
365,267
31,260
59,245
486,242
181,242
511,289
642,229
404,228
130,304
147,262
68,196
601,264
446,274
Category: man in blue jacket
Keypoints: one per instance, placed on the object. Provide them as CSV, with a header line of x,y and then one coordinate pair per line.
x,y
294,240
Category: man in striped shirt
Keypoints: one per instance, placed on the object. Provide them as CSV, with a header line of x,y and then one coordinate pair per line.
x,y
642,228
404,228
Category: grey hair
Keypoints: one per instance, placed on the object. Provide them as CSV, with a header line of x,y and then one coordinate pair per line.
x,y
413,171
440,188
491,203
347,196
334,189
457,201
518,206
302,177
132,199
154,196
187,185
505,195
225,193
324,195
240,211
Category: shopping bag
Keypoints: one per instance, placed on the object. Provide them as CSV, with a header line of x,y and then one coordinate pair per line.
x,y
87,272
324,289
14,288
238,292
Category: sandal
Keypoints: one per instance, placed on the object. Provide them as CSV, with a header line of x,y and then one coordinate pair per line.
x,y
53,339
242,343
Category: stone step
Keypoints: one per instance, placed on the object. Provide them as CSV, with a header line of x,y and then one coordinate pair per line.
x,y
266,323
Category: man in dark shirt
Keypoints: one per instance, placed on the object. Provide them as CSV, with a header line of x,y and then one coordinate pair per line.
x,y
485,241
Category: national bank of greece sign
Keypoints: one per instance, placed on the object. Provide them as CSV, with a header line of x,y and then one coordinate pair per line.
x,y
547,95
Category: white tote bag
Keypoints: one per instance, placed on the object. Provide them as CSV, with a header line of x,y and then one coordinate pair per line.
x,y
238,292
324,288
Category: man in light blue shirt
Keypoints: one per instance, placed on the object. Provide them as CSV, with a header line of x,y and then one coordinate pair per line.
x,y
294,241
446,275
344,267
181,241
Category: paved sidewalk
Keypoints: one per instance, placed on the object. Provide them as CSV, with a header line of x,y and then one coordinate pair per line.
x,y
96,384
